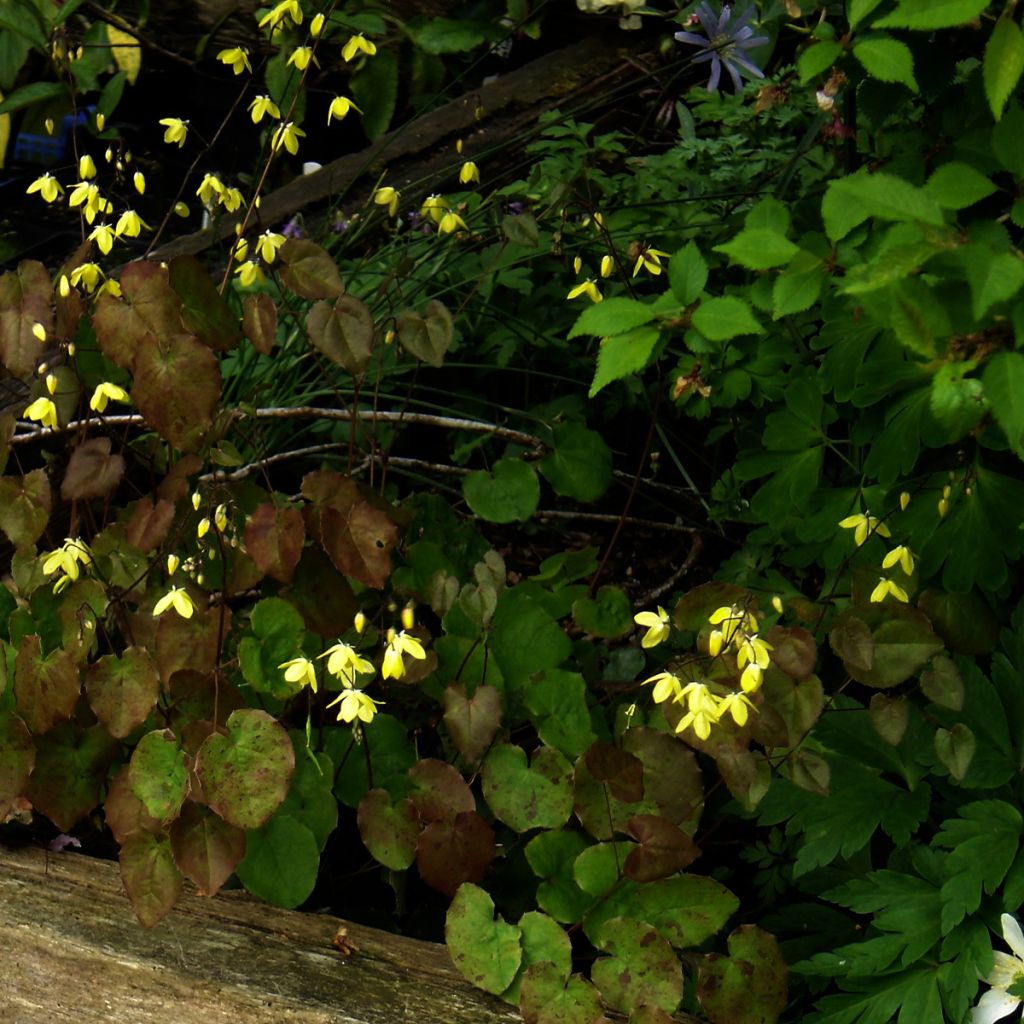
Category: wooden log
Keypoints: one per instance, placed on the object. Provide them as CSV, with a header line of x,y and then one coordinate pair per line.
x,y
71,950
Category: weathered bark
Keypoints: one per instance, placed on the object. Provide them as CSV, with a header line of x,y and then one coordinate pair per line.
x,y
71,950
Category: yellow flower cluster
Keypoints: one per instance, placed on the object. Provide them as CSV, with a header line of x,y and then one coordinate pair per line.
x,y
865,525
66,560
704,707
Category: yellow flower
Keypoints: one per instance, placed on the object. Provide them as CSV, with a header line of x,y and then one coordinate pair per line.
x,y
703,709
607,265
651,259
209,188
469,172
355,704
181,209
316,26
109,287
106,392
173,561
263,105
197,500
344,662
577,264
777,603
220,517
750,680
43,410
434,207
101,121
64,286
86,167
389,197
287,135
339,107
39,332
267,245
285,9
737,705
863,525
88,274
754,650
130,224
231,199
177,599
397,645
203,528
47,186
88,194
886,587
67,558
904,500
103,236
358,44
359,623
450,222
250,273
301,57
901,554
237,58
658,626
733,623
588,288
177,130
666,687
139,180
300,670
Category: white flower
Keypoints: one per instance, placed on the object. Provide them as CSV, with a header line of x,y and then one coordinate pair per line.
x,y
1007,973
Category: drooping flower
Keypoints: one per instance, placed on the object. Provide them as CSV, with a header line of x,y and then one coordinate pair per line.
x,y
588,288
300,670
67,558
658,626
607,265
129,224
450,223
236,58
733,623
267,245
736,704
339,108
667,686
302,56
901,554
86,167
1006,977
355,704
177,130
106,392
44,410
863,526
434,207
263,105
209,188
397,645
358,44
250,273
703,709
103,235
285,9
316,26
649,259
87,274
287,135
47,186
177,599
139,180
345,663
723,42
231,199
469,172
389,197
886,587
753,650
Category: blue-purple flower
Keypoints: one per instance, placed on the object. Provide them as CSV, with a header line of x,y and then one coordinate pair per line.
x,y
725,38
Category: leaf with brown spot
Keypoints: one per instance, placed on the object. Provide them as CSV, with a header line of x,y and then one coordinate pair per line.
x,y
274,538
45,689
439,792
151,878
17,759
204,311
750,985
642,967
546,997
389,831
360,543
191,643
454,851
664,849
472,721
176,388
148,524
259,322
308,270
206,848
427,338
24,506
122,691
24,302
71,768
342,332
93,472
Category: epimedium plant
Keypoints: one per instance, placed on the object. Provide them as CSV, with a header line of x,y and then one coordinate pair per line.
x,y
221,664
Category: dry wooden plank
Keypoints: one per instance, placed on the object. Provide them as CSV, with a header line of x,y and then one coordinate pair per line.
x,y
71,950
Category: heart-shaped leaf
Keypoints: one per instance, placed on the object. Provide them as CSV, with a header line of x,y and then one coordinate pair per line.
x,y
427,338
485,949
538,796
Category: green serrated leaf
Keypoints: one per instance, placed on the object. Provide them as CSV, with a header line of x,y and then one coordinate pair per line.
x,y
613,316
1003,380
955,186
931,14
623,355
886,59
725,317
687,273
1003,63
817,59
759,249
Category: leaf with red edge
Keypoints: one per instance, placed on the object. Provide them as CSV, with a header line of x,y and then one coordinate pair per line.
x,y
204,312
664,849
45,689
259,322
151,878
122,691
24,302
70,771
206,848
454,851
176,388
245,774
621,771
750,985
438,790
472,721
308,270
274,539
389,831
123,810
175,485
343,332
93,472
193,643
426,337
158,774
17,758
148,524
24,506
